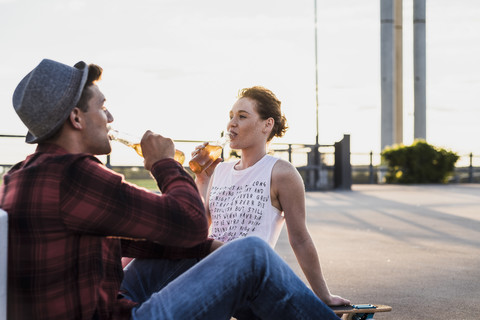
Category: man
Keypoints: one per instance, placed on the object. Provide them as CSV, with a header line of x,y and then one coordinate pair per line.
x,y
71,220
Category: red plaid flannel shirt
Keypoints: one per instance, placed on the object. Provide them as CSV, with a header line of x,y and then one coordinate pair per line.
x,y
70,221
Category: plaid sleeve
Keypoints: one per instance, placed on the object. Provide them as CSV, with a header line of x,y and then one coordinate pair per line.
x,y
96,200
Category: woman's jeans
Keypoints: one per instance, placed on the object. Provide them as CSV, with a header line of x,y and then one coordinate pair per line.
x,y
243,274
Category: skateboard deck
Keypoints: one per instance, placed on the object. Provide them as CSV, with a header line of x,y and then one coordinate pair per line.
x,y
360,311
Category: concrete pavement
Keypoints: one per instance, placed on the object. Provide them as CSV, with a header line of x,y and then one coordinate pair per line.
x,y
415,248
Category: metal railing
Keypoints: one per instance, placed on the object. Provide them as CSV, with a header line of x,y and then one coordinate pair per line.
x,y
365,167
368,168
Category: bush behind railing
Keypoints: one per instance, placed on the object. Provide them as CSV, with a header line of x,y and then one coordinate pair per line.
x,y
419,163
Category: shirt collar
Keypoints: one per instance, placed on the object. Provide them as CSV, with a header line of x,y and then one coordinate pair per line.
x,y
50,148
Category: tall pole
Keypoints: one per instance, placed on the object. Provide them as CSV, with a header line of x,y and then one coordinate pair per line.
x,y
419,66
316,153
387,54
398,77
316,75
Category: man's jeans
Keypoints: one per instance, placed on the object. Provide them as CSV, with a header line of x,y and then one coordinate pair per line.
x,y
245,273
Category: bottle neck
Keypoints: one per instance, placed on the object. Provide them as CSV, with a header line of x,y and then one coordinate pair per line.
x,y
122,137
224,140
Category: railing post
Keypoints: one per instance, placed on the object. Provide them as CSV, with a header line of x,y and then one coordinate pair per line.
x,y
370,169
108,165
317,167
343,168
470,169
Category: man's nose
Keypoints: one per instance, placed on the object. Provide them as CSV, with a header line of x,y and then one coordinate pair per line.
x,y
109,117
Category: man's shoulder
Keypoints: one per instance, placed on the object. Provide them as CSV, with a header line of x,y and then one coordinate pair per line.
x,y
86,169
76,164
85,160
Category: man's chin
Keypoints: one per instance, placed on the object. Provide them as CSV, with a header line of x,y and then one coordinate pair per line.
x,y
107,150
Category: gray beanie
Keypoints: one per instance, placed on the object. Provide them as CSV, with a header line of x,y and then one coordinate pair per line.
x,y
46,96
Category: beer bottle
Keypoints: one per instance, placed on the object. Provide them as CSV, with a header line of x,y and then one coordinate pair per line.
x,y
206,156
134,143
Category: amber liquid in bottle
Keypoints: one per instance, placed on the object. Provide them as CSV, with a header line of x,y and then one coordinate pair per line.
x,y
206,156
127,139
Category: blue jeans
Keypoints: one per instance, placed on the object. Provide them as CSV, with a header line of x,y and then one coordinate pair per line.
x,y
243,274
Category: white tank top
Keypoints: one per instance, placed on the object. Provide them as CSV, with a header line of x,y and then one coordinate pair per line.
x,y
240,203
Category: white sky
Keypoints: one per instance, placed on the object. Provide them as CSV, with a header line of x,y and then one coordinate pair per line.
x,y
175,66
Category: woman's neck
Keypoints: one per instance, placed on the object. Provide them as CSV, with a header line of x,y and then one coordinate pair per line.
x,y
250,157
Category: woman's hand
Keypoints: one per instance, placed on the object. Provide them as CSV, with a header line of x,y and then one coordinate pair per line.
x,y
205,175
335,300
215,245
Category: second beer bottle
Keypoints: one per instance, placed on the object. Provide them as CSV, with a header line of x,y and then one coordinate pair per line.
x,y
207,155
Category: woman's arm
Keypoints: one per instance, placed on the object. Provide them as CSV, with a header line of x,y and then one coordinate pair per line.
x,y
288,195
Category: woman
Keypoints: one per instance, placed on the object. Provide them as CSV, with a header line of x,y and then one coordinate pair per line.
x,y
258,193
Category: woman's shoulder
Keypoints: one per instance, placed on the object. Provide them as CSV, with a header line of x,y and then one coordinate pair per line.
x,y
281,164
285,178
284,170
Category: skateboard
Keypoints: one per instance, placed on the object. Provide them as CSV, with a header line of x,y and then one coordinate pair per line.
x,y
360,311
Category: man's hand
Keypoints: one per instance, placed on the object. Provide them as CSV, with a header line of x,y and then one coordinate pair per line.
x,y
156,147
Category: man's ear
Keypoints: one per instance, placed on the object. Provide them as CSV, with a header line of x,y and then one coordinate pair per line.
x,y
76,118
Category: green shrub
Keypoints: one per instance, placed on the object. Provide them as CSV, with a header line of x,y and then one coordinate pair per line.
x,y
418,163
